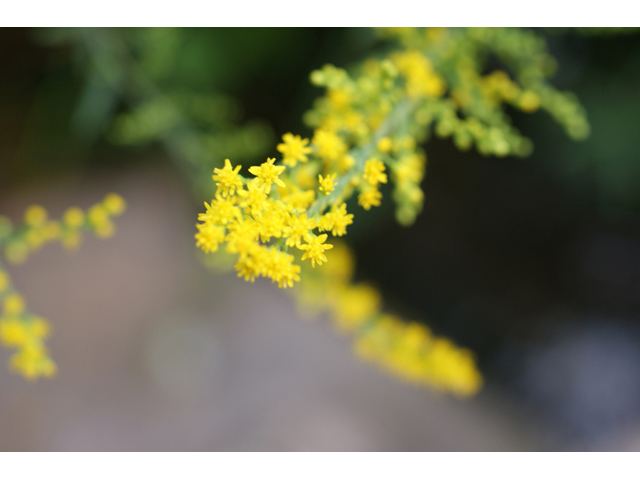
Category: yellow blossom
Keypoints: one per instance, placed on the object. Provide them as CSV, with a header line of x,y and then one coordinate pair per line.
x,y
73,217
336,220
384,144
35,216
252,263
369,197
529,101
227,178
242,237
267,174
254,199
374,172
33,362
327,183
221,211
410,168
281,269
114,204
14,332
99,219
330,146
209,237
294,149
315,249
298,228
298,199
272,220
355,305
345,163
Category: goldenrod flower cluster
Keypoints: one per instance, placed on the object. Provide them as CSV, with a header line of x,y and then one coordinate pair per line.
x,y
24,332
407,349
260,218
367,131
20,329
37,229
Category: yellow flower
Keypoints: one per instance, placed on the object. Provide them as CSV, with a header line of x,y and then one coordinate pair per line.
x,y
267,174
114,204
254,199
32,362
14,332
298,229
221,211
35,216
280,268
340,219
73,217
410,168
242,238
227,178
345,163
294,149
369,198
252,263
374,172
384,144
272,220
315,249
339,98
327,183
330,145
99,219
422,81
340,267
355,305
529,101
209,237
298,199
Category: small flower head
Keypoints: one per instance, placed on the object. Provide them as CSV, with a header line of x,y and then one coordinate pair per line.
x,y
267,174
221,211
227,178
330,146
73,218
209,237
340,219
327,183
280,268
298,228
315,249
294,149
529,101
374,172
114,204
35,216
384,144
369,198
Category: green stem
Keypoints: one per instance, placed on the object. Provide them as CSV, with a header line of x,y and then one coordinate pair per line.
x,y
361,154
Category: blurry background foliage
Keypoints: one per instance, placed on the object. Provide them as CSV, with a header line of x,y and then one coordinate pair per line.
x,y
527,262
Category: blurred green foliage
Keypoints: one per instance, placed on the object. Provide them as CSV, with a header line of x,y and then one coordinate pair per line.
x,y
74,97
70,99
